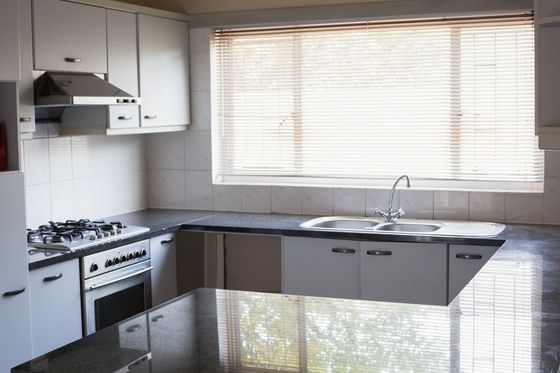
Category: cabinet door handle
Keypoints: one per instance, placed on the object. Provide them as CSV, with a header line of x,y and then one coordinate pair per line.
x,y
150,116
25,119
125,117
343,250
53,278
167,241
133,328
157,318
468,256
379,252
73,59
14,292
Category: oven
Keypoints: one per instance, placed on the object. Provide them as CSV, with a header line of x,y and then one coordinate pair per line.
x,y
116,284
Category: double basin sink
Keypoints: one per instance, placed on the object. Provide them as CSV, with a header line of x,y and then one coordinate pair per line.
x,y
404,226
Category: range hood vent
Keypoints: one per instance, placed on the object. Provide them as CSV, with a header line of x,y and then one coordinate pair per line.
x,y
75,89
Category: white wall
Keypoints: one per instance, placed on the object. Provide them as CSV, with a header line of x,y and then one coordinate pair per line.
x,y
180,177
84,177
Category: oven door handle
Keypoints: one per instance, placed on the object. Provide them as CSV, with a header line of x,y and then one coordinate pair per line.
x,y
97,286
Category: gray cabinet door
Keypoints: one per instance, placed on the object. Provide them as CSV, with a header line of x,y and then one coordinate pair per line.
x,y
404,272
164,71
164,274
15,330
321,267
69,36
464,263
56,310
9,40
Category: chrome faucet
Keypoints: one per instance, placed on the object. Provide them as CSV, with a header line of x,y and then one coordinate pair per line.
x,y
390,215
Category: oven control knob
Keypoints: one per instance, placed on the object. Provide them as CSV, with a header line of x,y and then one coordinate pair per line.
x,y
94,267
130,256
143,252
109,263
93,237
137,254
116,260
99,235
123,259
119,231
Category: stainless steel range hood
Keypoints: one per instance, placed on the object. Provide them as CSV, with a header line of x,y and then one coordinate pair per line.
x,y
75,89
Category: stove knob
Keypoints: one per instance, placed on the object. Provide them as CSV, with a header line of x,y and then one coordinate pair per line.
x,y
112,233
119,231
93,237
108,263
143,253
137,254
105,234
94,267
116,260
123,259
99,235
130,256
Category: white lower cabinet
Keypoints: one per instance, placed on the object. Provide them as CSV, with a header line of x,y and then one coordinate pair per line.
x,y
164,274
321,267
404,272
464,263
56,312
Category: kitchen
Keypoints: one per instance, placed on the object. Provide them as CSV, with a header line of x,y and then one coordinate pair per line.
x,y
147,206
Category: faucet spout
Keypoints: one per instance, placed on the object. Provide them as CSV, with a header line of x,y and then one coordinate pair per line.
x,y
390,215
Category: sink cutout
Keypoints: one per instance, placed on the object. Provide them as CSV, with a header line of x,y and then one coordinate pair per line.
x,y
403,227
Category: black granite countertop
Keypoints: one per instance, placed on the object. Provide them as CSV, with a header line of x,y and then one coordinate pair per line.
x,y
490,327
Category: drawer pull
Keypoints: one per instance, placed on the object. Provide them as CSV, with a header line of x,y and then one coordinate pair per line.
x,y
53,278
342,250
379,252
157,318
133,328
73,59
150,116
13,292
468,256
25,120
125,117
167,241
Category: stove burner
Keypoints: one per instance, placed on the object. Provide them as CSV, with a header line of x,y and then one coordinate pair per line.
x,y
72,230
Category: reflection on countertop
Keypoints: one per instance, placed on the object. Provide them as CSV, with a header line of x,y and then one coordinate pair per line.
x,y
496,324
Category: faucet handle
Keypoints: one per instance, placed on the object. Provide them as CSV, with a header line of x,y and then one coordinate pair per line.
x,y
390,215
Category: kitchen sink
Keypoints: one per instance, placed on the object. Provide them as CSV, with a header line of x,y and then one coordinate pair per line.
x,y
404,226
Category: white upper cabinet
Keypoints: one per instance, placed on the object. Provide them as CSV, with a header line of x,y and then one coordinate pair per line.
x,y
69,36
9,40
547,60
15,330
122,66
164,71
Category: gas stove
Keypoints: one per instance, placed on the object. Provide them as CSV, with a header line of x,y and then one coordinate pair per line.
x,y
73,235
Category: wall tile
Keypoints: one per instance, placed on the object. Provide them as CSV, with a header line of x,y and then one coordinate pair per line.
x,y
117,154
349,201
201,110
227,197
451,205
286,200
37,205
135,193
552,164
199,190
256,198
198,150
551,203
317,201
36,157
166,151
60,158
524,208
83,160
379,198
62,201
167,189
417,204
487,206
84,198
199,39
200,71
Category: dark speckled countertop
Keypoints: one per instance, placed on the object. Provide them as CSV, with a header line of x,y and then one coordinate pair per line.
x,y
506,320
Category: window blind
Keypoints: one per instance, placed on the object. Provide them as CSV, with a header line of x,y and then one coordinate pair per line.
x,y
451,103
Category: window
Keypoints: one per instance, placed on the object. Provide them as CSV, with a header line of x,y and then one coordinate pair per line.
x,y
451,103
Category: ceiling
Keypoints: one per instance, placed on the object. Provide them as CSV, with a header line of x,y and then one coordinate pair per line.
x,y
219,6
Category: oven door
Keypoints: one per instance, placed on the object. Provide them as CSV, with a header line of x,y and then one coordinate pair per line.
x,y
116,296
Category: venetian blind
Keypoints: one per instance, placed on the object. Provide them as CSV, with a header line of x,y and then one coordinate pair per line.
x,y
449,102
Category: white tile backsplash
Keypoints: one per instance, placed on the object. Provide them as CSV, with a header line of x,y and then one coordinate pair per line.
x,y
84,197
286,200
36,157
167,189
379,198
166,151
201,110
62,201
350,202
317,201
451,205
200,71
227,197
255,198
551,202
83,160
524,208
60,158
38,205
552,163
417,204
487,206
198,150
199,190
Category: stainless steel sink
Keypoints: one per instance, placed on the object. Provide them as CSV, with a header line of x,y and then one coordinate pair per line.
x,y
404,226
